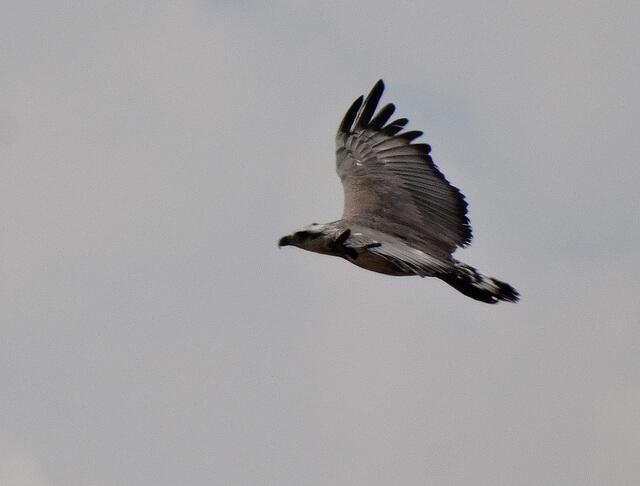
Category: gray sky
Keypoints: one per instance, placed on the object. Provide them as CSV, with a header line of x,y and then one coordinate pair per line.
x,y
152,334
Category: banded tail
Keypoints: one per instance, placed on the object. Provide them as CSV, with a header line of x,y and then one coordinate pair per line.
x,y
472,283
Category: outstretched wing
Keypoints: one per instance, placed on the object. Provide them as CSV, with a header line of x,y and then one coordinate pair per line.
x,y
392,185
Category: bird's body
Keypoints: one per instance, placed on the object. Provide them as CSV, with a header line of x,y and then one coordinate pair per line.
x,y
401,216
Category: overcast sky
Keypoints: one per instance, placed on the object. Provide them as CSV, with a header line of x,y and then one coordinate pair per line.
x,y
152,153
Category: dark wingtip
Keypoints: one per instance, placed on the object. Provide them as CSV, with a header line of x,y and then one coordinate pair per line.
x,y
378,87
370,105
395,126
425,148
411,135
350,115
378,121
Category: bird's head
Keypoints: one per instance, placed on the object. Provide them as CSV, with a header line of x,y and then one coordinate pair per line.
x,y
309,237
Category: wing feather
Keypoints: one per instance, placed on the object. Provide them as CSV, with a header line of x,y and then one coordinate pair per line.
x,y
410,135
370,105
393,128
382,117
350,116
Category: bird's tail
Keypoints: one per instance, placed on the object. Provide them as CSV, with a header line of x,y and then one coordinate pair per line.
x,y
472,283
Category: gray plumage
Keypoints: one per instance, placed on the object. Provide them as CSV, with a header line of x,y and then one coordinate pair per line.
x,y
401,216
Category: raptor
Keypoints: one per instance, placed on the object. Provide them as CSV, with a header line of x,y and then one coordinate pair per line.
x,y
401,216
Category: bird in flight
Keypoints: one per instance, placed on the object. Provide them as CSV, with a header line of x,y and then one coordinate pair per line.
x,y
401,216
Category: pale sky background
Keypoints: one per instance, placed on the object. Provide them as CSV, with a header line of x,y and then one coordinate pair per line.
x,y
153,152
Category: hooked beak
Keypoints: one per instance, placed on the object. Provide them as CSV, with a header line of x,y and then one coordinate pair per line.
x,y
284,241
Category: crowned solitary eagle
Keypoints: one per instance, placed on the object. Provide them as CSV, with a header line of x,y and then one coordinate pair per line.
x,y
401,216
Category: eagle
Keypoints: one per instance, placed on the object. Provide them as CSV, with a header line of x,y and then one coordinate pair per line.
x,y
401,215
